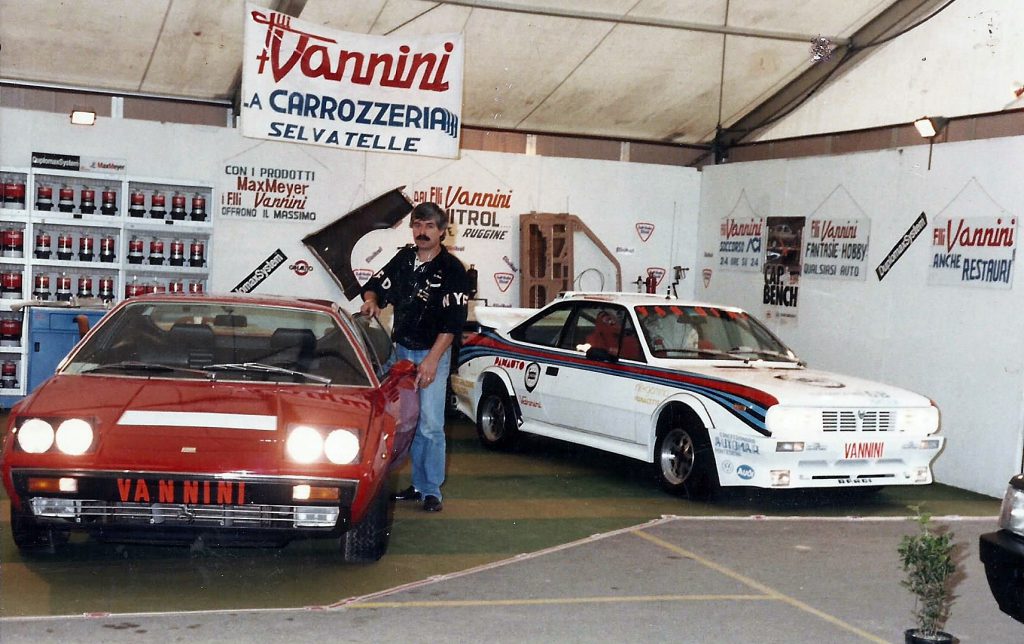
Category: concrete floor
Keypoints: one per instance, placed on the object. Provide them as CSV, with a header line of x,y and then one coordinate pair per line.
x,y
680,579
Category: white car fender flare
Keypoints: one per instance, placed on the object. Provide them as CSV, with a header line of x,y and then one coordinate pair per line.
x,y
695,403
506,381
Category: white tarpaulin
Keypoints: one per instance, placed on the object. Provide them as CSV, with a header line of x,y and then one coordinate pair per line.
x,y
306,83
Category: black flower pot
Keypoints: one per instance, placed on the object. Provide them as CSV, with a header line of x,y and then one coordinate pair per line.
x,y
913,636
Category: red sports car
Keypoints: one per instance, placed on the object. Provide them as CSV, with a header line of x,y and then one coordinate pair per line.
x,y
236,418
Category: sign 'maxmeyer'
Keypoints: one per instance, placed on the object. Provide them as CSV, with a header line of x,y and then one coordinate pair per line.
x,y
305,83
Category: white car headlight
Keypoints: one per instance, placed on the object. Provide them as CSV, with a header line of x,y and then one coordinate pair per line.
x,y
918,420
305,444
74,436
35,436
1011,513
789,420
341,446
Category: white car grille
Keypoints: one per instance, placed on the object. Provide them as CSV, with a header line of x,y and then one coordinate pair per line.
x,y
859,420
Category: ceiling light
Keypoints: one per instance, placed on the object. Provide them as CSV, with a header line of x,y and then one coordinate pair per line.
x,y
83,117
929,126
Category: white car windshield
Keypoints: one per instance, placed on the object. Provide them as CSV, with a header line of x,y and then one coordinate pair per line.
x,y
674,331
221,341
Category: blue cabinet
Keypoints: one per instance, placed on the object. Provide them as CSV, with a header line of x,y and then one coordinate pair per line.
x,y
52,332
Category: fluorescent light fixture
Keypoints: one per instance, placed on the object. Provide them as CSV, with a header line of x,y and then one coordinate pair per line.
x,y
83,117
930,126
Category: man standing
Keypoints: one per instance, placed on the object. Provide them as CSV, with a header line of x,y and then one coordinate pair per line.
x,y
427,286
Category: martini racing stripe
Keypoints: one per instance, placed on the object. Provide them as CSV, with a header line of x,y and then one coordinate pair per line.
x,y
745,403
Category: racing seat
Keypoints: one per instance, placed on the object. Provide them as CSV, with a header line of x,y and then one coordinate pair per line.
x,y
605,335
194,341
296,346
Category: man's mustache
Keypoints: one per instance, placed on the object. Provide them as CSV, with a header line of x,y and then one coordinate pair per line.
x,y
422,238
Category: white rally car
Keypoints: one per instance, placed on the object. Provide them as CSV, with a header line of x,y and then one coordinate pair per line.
x,y
704,392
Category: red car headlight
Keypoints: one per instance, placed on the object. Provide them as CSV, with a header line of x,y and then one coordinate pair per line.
x,y
73,436
307,444
35,436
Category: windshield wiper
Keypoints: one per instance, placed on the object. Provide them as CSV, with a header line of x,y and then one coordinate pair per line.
x,y
764,353
699,352
135,365
259,367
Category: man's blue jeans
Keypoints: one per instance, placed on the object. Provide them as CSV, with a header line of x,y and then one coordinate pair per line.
x,y
428,445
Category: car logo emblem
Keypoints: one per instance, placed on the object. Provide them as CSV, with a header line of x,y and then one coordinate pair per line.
x,y
532,376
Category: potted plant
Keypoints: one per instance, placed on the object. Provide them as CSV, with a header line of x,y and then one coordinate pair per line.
x,y
927,560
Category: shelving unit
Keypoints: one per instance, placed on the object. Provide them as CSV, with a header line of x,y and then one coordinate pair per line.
x,y
85,234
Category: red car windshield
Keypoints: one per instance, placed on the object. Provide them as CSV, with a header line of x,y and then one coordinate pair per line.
x,y
222,341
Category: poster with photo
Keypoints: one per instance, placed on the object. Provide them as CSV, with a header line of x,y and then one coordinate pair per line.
x,y
782,267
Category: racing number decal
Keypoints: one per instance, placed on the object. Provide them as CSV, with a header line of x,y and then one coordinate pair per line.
x,y
532,376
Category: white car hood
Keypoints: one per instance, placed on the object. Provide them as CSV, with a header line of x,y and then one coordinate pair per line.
x,y
798,386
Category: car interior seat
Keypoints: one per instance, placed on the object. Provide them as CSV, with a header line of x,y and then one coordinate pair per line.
x,y
296,346
194,341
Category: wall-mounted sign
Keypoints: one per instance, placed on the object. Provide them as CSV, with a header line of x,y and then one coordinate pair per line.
x,y
973,251
837,248
901,246
305,83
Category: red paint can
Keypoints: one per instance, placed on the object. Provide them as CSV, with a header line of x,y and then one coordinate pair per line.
x,y
14,193
63,287
41,287
195,287
64,246
158,205
107,253
10,285
177,206
88,201
135,246
109,203
134,289
66,203
106,288
12,242
85,286
9,375
198,207
43,242
177,253
197,253
156,252
10,332
85,248
137,204
44,197
175,286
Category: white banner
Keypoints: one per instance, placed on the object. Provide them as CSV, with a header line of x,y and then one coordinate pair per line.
x,y
973,251
837,248
740,242
305,83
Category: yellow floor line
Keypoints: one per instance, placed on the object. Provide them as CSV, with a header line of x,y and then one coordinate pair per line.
x,y
769,591
556,601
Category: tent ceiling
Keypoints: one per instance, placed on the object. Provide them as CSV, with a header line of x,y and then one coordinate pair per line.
x,y
649,70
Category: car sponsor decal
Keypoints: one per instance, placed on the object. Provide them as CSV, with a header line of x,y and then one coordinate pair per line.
x,y
745,472
745,403
736,445
871,449
140,490
814,381
532,376
198,419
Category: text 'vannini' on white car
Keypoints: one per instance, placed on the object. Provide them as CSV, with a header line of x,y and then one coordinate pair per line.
x,y
704,392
